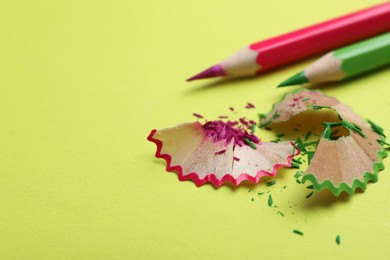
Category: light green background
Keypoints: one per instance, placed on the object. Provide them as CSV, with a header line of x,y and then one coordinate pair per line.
x,y
82,83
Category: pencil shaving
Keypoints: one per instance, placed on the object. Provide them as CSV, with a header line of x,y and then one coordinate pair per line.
x,y
340,163
219,154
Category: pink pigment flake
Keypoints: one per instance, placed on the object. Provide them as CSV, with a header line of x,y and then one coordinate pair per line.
x,y
236,158
249,106
219,130
197,115
220,152
296,99
244,122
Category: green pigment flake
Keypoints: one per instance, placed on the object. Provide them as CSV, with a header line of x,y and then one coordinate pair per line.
x,y
298,161
338,239
298,232
295,165
310,156
270,201
271,183
326,134
315,107
354,127
309,195
298,174
262,116
308,135
383,142
376,128
250,143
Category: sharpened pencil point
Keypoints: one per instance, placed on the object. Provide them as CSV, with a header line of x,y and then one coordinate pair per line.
x,y
297,79
214,71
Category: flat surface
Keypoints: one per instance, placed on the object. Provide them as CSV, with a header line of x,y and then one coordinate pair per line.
x,y
82,83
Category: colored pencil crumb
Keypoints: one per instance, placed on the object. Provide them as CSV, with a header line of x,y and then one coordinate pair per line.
x,y
260,193
295,165
310,156
309,195
220,130
298,161
280,213
298,174
220,152
197,115
279,135
327,132
244,122
315,107
253,128
265,124
236,158
262,116
294,148
376,128
270,201
310,187
271,183
274,116
308,135
383,143
353,127
253,199
298,232
338,239
249,190
231,108
250,143
249,105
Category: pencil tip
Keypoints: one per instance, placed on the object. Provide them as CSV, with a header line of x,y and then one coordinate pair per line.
x,y
297,79
214,71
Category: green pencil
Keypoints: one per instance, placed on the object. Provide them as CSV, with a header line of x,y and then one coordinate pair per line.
x,y
345,62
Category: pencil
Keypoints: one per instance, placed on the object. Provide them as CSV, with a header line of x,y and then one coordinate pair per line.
x,y
318,38
345,62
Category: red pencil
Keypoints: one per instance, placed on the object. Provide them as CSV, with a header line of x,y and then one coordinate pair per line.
x,y
318,38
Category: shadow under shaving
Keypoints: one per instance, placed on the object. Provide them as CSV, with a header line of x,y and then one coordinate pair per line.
x,y
306,122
